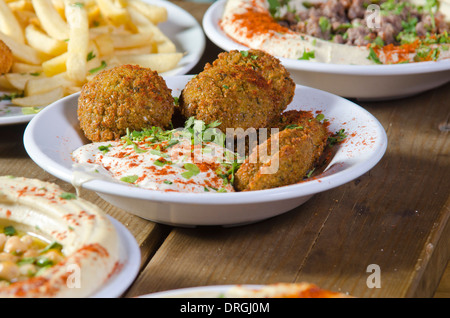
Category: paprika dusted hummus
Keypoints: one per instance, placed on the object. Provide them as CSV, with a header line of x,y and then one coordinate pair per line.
x,y
52,243
362,32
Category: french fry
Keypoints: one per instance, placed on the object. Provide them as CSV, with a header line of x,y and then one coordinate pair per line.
x,y
18,67
163,43
19,80
155,14
21,52
43,84
5,84
160,62
146,49
9,25
121,41
50,20
42,42
55,65
65,43
43,99
104,44
114,11
77,48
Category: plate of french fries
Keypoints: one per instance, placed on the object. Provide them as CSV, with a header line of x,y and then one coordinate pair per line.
x,y
58,45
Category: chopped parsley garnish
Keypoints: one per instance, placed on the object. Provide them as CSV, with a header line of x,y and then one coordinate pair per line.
x,y
293,126
324,24
90,56
373,56
96,69
52,246
67,196
191,170
168,182
11,96
320,117
244,53
129,179
310,173
104,148
9,230
307,55
31,110
338,137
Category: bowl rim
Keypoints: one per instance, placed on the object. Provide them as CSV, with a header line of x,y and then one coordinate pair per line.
x,y
216,35
306,188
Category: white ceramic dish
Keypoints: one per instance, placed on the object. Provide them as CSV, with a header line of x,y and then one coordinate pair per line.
x,y
54,133
215,291
130,262
181,27
364,82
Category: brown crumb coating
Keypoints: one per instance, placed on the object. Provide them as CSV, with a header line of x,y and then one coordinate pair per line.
x,y
127,96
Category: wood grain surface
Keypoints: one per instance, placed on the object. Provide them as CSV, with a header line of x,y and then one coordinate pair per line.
x,y
395,217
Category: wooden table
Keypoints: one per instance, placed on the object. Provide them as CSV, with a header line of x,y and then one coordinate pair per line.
x,y
395,216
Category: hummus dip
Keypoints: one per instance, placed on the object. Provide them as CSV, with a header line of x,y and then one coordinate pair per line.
x,y
250,23
168,161
88,240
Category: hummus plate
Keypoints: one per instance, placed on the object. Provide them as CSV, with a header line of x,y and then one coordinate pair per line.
x,y
364,82
97,257
52,136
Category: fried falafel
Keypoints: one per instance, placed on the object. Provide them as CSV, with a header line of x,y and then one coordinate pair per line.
x,y
240,89
228,94
6,58
270,67
286,157
124,97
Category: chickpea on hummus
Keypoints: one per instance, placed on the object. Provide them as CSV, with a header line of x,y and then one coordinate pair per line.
x,y
52,243
361,32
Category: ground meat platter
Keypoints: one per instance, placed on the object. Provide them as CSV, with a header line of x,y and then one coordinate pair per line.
x,y
51,148
330,69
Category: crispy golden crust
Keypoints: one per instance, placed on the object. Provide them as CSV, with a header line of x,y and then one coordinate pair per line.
x,y
6,58
232,95
126,96
300,146
240,90
270,67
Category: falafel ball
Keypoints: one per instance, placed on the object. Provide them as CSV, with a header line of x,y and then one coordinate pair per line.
x,y
270,67
228,94
241,89
287,156
6,58
126,96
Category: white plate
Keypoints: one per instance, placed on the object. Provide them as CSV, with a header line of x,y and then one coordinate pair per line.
x,y
130,262
364,82
54,134
181,27
215,291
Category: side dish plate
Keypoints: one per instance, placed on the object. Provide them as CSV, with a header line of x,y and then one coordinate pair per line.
x,y
363,82
52,136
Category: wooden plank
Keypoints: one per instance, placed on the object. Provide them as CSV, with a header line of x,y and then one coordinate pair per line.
x,y
268,251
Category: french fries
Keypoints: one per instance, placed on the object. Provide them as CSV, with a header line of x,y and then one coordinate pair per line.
x,y
58,45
